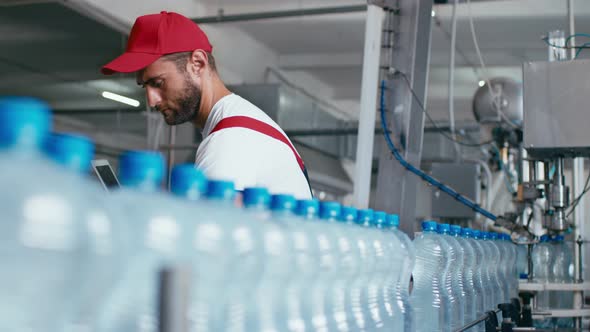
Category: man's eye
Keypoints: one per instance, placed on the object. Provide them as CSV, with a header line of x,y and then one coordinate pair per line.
x,y
158,84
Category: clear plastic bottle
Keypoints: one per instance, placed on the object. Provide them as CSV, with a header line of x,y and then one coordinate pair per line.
x,y
562,273
522,264
510,267
480,277
453,286
313,289
498,270
42,240
101,254
428,292
304,257
152,228
341,219
268,300
403,311
490,271
389,259
542,273
460,266
361,290
514,274
473,288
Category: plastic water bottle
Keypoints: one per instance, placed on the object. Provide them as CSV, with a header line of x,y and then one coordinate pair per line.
x,y
232,245
389,259
542,273
304,254
349,216
428,293
360,292
522,266
563,272
403,311
480,277
152,227
452,287
268,302
340,317
499,264
316,291
101,255
506,264
459,270
513,273
473,288
493,299
42,239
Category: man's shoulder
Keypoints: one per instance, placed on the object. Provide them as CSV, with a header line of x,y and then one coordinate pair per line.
x,y
239,106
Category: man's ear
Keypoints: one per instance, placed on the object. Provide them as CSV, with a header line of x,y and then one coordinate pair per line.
x,y
197,62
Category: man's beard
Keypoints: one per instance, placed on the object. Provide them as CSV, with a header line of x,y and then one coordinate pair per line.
x,y
188,105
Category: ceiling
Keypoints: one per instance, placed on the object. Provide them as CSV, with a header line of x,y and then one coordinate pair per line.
x,y
53,51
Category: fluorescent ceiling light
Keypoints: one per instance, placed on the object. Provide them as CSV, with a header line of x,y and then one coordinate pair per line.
x,y
433,13
121,99
482,83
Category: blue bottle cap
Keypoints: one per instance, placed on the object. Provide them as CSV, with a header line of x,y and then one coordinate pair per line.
x,y
365,217
72,151
493,236
443,228
24,122
379,219
455,230
308,208
393,220
485,235
466,233
330,210
524,276
559,238
283,202
141,169
544,238
256,197
221,190
349,214
187,181
429,226
477,234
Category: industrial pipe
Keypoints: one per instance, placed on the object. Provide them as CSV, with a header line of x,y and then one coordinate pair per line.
x,y
221,18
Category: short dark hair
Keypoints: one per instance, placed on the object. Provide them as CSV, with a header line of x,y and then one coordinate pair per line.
x,y
180,60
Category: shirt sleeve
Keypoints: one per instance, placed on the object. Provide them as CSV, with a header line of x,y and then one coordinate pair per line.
x,y
229,155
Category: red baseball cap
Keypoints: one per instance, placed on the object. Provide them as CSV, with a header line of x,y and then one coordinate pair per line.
x,y
155,35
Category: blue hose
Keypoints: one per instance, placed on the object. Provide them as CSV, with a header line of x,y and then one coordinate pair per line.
x,y
425,177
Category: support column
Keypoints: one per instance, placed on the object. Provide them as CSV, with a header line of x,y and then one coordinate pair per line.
x,y
396,188
369,84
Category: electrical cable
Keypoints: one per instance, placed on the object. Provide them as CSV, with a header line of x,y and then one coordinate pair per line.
x,y
418,172
431,120
577,200
451,98
567,40
581,49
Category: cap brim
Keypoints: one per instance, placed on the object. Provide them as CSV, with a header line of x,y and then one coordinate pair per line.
x,y
129,62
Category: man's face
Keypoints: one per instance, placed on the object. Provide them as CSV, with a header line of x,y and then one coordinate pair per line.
x,y
170,91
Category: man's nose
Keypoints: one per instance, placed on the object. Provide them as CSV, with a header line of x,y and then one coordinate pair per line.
x,y
153,97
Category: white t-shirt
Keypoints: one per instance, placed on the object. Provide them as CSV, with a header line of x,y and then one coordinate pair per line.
x,y
247,157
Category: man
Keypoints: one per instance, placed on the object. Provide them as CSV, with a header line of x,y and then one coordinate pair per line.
x,y
172,58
